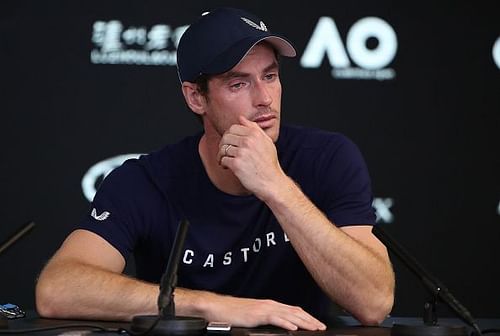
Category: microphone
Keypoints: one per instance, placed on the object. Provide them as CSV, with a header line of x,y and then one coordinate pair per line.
x,y
166,323
16,236
437,290
3,247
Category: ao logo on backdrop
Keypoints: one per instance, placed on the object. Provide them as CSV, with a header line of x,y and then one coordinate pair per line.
x,y
371,60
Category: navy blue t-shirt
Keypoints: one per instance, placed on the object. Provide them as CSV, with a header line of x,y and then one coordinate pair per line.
x,y
234,244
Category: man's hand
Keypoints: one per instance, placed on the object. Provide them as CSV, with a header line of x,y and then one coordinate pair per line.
x,y
252,313
251,155
244,312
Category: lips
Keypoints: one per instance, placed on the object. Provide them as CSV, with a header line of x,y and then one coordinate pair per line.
x,y
265,120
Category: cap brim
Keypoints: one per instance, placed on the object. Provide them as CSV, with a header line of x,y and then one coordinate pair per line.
x,y
284,47
231,57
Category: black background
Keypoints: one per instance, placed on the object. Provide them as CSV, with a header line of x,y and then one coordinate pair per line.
x,y
430,136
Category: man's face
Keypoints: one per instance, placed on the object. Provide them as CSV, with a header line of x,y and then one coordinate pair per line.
x,y
251,89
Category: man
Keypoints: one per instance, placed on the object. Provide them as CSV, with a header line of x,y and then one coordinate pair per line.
x,y
280,216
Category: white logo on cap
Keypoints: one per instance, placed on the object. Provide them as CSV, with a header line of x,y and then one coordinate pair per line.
x,y
256,26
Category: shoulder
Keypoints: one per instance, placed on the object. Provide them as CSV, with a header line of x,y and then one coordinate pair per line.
x,y
154,170
309,153
173,159
294,137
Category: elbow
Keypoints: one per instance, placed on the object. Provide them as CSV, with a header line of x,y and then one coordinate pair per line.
x,y
374,317
43,300
375,313
46,299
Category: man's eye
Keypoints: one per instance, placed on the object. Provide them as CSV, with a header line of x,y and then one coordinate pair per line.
x,y
271,76
237,85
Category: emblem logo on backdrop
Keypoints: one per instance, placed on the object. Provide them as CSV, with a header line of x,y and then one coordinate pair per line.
x,y
115,43
496,52
371,44
98,172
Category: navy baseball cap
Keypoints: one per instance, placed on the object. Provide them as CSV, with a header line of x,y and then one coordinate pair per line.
x,y
219,39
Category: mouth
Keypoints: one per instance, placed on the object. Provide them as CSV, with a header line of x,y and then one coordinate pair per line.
x,y
266,120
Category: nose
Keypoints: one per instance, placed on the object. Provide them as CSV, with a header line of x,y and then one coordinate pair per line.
x,y
262,95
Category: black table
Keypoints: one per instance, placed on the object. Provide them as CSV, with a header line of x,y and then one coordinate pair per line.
x,y
341,326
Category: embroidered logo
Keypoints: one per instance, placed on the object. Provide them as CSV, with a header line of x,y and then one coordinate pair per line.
x,y
254,25
100,217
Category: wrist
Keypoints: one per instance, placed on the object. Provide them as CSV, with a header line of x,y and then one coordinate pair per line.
x,y
282,192
196,303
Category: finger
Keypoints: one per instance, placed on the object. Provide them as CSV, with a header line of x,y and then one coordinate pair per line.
x,y
220,153
310,325
231,139
238,129
226,162
305,321
314,322
291,322
223,153
227,149
252,126
282,323
245,122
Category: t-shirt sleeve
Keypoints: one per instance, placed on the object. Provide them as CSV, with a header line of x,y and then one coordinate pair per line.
x,y
347,188
119,210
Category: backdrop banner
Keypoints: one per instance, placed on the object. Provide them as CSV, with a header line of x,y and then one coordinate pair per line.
x,y
416,85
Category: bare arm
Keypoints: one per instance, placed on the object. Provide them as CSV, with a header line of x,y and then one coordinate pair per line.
x,y
350,264
83,281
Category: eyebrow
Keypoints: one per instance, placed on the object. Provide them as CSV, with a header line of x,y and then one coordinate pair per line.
x,y
237,74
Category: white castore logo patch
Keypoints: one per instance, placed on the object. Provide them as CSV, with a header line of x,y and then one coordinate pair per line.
x,y
253,24
100,217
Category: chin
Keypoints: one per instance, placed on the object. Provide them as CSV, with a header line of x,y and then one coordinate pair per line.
x,y
273,133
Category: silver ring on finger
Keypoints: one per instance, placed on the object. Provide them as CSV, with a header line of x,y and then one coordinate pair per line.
x,y
226,150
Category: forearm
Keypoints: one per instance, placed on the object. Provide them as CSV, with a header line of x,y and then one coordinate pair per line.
x,y
71,289
352,274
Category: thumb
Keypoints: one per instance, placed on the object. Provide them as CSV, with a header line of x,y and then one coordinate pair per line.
x,y
245,122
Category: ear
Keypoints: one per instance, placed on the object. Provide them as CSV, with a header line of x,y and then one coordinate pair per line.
x,y
194,99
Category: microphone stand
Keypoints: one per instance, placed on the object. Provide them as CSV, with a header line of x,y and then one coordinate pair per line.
x,y
4,323
166,323
438,292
